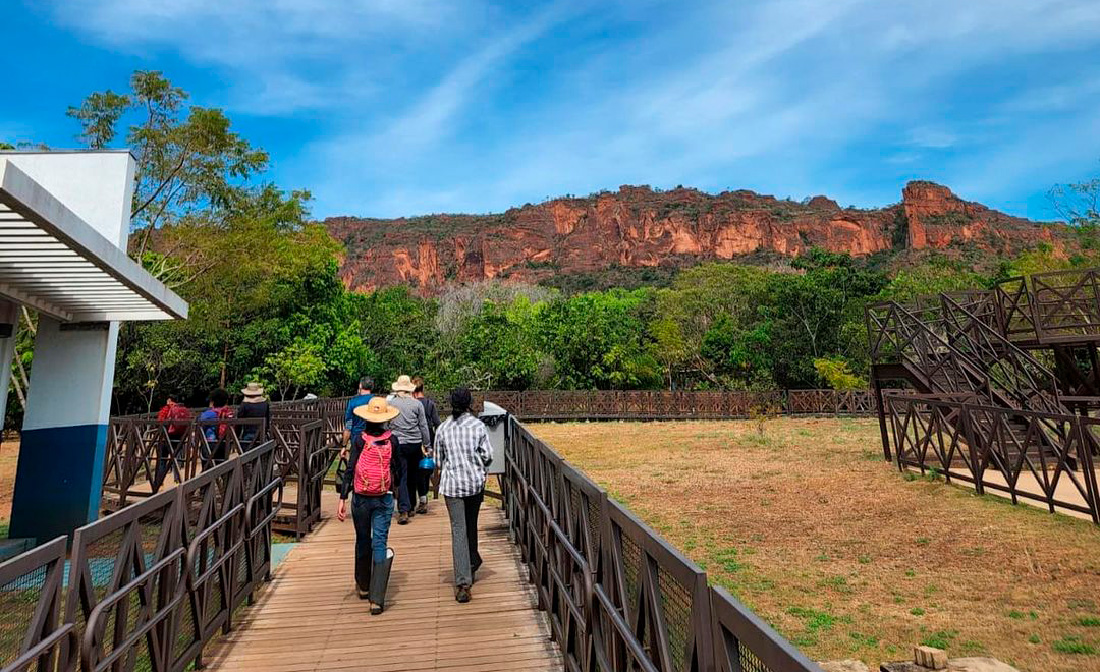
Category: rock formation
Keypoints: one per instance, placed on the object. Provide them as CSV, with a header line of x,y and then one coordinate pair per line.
x,y
637,227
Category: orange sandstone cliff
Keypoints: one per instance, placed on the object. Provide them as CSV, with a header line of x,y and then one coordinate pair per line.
x,y
637,227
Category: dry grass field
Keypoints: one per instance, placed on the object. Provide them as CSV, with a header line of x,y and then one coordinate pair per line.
x,y
845,555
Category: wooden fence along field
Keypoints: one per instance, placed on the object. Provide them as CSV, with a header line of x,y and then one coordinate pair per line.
x,y
664,405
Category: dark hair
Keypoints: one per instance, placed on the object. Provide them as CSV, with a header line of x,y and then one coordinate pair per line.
x,y
419,382
374,428
171,396
219,398
461,401
366,383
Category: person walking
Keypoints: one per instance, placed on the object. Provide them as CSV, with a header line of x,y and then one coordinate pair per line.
x,y
178,418
254,405
463,451
432,413
215,434
353,424
410,432
370,479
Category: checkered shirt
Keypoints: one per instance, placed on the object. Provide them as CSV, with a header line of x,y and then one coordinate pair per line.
x,y
462,448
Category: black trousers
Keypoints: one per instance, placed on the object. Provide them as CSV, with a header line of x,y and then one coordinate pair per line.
x,y
416,484
405,503
166,453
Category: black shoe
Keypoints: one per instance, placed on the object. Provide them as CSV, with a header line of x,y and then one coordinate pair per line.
x,y
423,508
462,595
402,518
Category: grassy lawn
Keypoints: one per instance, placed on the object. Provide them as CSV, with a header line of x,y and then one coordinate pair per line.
x,y
842,554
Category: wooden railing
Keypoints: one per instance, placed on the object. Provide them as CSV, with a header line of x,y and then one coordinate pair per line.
x,y
664,405
1052,462
150,585
617,595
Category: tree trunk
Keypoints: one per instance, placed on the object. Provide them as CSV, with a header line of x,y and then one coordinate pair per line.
x,y
19,393
225,356
30,324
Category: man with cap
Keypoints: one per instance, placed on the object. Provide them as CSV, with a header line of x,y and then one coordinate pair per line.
x,y
370,479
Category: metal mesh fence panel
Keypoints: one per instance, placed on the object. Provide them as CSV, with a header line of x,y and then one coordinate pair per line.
x,y
676,605
18,600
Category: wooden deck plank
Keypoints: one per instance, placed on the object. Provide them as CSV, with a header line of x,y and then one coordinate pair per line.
x,y
310,619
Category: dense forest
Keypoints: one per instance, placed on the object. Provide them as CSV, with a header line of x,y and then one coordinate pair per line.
x,y
267,303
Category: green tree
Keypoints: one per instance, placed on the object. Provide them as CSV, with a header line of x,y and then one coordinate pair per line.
x,y
835,372
190,164
298,365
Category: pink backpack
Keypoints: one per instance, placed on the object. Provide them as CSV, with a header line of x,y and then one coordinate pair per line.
x,y
372,469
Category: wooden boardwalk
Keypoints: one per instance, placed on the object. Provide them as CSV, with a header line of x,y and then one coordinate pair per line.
x,y
309,617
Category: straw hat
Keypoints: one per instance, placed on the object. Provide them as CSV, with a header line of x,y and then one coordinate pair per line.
x,y
376,410
404,384
253,390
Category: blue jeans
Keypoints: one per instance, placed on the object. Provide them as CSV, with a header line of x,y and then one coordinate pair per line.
x,y
371,516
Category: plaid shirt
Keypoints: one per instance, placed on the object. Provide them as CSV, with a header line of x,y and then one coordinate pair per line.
x,y
462,448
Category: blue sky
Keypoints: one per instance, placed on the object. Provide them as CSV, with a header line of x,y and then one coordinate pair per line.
x,y
401,107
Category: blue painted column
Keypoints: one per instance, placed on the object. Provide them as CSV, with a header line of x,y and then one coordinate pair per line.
x,y
59,478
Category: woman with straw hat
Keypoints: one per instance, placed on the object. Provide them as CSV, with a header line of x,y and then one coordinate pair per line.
x,y
370,480
410,431
254,405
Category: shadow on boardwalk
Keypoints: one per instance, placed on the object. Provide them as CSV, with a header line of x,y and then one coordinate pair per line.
x,y
309,618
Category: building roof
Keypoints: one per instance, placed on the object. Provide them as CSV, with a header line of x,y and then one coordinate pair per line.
x,y
54,261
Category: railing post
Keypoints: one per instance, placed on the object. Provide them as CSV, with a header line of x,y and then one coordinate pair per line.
x,y
881,406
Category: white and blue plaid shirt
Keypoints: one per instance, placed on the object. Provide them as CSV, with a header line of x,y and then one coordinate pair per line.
x,y
464,453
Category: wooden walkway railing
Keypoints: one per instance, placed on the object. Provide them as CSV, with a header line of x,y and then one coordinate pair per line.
x,y
617,595
153,584
148,586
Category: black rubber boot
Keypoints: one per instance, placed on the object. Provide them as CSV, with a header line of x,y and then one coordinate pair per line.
x,y
379,581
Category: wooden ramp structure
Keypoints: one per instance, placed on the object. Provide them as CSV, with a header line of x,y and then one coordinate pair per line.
x,y
309,618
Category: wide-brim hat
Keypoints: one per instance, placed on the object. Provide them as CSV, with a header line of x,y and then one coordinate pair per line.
x,y
404,384
376,410
253,390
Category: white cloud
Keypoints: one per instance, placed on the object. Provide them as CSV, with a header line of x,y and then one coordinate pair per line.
x,y
432,105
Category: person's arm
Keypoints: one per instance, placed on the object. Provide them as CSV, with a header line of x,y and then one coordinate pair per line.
x,y
440,453
435,416
348,417
345,489
484,448
422,420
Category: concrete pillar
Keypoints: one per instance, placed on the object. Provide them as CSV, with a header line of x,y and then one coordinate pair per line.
x,y
59,478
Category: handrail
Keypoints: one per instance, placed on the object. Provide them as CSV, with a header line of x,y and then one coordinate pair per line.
x,y
92,632
918,344
609,586
1060,453
1025,369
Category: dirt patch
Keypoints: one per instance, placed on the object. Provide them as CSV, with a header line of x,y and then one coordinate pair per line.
x,y
9,456
845,556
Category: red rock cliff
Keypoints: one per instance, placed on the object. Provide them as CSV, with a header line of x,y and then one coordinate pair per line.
x,y
639,227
